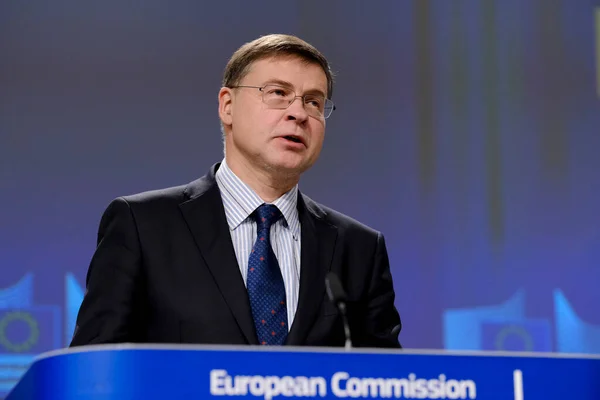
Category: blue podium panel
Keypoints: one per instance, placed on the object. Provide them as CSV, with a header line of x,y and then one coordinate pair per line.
x,y
199,372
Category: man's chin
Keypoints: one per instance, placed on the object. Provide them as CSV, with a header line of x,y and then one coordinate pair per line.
x,y
288,167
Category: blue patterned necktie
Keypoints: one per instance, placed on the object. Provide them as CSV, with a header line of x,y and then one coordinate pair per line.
x,y
265,283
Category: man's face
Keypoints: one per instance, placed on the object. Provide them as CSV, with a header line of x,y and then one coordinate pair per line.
x,y
257,134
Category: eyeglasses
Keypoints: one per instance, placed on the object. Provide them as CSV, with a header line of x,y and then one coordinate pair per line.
x,y
280,98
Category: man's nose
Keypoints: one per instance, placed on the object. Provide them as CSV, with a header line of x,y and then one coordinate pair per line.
x,y
296,110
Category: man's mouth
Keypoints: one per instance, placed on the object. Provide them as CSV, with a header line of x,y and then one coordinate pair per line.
x,y
293,139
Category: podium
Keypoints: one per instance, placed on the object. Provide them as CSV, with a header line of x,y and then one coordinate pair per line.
x,y
202,372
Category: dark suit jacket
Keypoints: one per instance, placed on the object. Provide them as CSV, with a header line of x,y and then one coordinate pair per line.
x,y
165,271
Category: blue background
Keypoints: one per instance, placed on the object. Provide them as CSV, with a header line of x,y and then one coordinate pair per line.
x,y
467,132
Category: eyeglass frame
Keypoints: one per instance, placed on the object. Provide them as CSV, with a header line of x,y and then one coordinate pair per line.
x,y
260,89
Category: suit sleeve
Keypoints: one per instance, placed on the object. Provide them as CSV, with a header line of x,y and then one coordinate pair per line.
x,y
382,323
109,312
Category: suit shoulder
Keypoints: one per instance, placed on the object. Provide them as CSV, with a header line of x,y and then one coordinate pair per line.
x,y
342,221
157,196
153,201
152,205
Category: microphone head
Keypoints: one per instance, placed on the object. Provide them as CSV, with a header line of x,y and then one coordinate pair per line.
x,y
335,290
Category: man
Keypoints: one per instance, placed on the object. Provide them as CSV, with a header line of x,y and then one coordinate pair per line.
x,y
240,256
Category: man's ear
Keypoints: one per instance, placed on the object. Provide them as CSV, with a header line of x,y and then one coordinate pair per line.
x,y
226,105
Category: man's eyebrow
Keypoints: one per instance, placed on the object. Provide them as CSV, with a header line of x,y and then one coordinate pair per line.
x,y
287,84
279,82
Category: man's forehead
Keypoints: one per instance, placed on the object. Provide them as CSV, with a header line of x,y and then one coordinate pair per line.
x,y
271,68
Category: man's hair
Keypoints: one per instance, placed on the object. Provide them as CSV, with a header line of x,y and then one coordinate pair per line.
x,y
273,46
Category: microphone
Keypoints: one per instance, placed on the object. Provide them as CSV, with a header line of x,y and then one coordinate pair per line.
x,y
337,295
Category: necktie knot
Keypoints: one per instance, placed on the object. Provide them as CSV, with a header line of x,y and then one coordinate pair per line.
x,y
266,215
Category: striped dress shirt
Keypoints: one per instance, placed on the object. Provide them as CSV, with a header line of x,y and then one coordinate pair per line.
x,y
240,201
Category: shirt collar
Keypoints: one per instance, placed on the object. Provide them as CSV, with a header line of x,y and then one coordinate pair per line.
x,y
240,200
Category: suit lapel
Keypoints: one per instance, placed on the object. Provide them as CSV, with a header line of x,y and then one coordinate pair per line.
x,y
205,217
317,245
